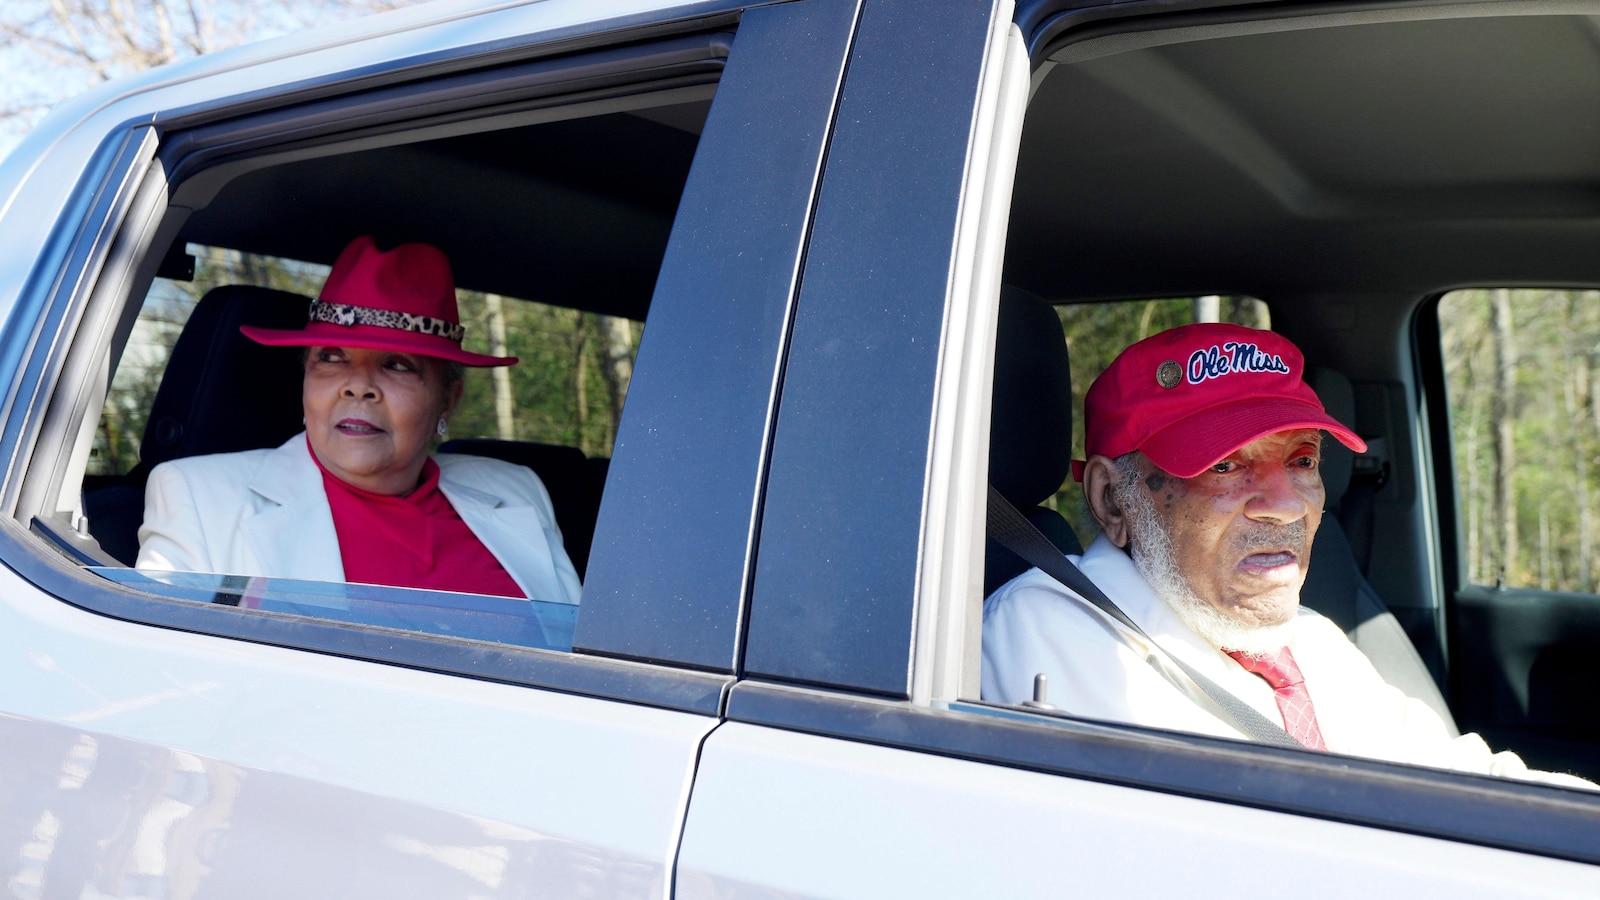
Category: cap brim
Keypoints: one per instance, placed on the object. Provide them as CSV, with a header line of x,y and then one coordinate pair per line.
x,y
1199,441
372,337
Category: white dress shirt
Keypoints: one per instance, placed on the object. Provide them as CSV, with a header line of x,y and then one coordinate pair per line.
x,y
1098,669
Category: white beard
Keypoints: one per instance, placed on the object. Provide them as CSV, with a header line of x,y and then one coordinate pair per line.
x,y
1153,557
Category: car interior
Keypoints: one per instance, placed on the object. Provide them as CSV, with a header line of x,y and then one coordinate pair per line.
x,y
1348,167
585,239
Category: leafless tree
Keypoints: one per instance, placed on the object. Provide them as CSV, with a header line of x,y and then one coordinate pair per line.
x,y
57,48
1503,411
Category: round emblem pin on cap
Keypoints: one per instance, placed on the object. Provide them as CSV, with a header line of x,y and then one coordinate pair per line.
x,y
1168,374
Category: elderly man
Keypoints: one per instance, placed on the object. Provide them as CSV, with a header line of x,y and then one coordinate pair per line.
x,y
1203,444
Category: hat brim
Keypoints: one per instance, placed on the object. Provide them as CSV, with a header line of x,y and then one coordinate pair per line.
x,y
1204,438
372,337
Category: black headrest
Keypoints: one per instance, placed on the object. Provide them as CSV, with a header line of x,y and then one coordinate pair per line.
x,y
1339,399
221,391
1030,429
555,465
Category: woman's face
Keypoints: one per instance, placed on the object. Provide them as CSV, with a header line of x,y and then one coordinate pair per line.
x,y
370,413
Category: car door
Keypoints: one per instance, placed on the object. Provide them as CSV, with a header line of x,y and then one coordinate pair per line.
x,y
856,760
172,741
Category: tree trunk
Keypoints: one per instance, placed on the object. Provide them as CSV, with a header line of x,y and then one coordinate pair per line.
x,y
580,383
505,422
1477,569
1545,575
1249,312
1578,411
617,340
1502,415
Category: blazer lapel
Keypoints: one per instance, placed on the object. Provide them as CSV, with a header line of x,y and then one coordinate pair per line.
x,y
292,530
514,534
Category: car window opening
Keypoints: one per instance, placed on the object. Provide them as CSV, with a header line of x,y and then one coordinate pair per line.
x,y
553,262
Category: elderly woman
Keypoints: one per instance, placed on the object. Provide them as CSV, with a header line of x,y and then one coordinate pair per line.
x,y
358,496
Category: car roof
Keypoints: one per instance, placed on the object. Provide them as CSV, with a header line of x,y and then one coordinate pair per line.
x,y
568,212
1394,150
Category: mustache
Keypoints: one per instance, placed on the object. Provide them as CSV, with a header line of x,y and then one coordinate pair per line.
x,y
1271,536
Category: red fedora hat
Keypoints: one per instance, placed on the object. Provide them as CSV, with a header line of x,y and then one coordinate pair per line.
x,y
402,300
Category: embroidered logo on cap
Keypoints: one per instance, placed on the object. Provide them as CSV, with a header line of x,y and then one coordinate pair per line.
x,y
1169,373
1233,358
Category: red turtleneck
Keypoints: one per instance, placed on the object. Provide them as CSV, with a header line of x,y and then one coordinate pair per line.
x,y
416,541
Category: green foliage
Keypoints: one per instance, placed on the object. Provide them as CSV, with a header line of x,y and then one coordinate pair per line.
x,y
559,387
1554,354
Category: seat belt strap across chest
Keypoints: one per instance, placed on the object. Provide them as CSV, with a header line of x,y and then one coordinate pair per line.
x,y
1014,532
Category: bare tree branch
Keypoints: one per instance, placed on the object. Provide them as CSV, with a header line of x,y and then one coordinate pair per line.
x,y
64,47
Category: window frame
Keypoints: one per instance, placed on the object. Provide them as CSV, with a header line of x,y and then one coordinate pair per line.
x,y
1498,635
844,585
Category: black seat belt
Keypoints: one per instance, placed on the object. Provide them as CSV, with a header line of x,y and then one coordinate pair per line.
x,y
1017,534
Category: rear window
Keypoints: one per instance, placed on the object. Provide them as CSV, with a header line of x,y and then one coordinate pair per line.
x,y
1522,368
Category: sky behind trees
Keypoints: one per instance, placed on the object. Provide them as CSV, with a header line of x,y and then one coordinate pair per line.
x,y
54,49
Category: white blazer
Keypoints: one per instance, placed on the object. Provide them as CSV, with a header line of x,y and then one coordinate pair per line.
x,y
264,512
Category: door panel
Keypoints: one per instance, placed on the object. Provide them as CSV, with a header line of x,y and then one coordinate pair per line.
x,y
1525,666
777,813
835,588
204,764
97,814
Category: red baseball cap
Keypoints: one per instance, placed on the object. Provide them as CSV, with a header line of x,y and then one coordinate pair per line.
x,y
1190,396
402,299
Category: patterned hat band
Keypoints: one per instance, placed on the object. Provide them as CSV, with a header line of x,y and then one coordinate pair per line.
x,y
342,314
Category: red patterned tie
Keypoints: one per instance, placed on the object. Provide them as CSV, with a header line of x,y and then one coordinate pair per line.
x,y
1279,670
